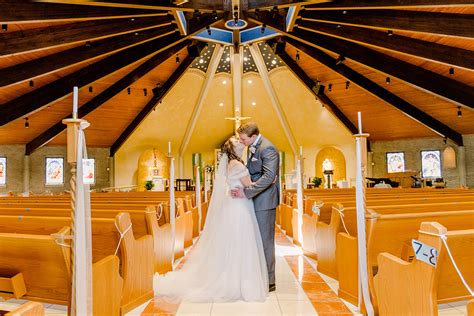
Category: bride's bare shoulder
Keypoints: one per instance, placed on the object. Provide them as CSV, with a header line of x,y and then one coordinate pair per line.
x,y
235,163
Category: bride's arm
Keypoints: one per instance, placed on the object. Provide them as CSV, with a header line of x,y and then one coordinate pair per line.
x,y
246,181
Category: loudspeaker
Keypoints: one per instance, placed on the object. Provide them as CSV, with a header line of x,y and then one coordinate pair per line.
x,y
194,51
278,48
318,89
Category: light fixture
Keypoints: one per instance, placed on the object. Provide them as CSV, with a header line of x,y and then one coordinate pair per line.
x,y
88,43
245,59
145,92
249,81
4,27
451,71
340,59
197,14
297,55
32,83
387,80
214,15
262,30
129,90
330,87
347,84
445,140
274,62
274,12
221,104
27,124
390,33
227,59
91,89
224,81
177,59
136,33
254,103
201,61
459,111
209,31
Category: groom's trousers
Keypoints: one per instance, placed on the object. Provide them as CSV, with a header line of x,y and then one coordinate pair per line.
x,y
266,224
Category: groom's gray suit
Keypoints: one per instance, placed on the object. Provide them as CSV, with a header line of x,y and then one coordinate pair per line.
x,y
263,167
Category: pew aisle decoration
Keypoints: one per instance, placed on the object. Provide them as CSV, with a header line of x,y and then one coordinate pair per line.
x,y
81,253
361,153
198,194
299,197
172,200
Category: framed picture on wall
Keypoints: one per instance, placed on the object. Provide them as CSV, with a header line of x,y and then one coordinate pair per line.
x,y
430,164
88,167
395,162
3,170
54,172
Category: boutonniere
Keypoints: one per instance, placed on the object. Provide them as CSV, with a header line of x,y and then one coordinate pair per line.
x,y
252,149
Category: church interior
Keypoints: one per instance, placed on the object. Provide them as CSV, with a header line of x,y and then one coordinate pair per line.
x,y
121,107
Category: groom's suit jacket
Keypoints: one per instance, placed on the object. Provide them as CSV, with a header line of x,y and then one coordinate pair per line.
x,y
263,167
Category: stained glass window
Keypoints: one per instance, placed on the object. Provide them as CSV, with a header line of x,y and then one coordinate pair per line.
x,y
54,171
395,162
430,164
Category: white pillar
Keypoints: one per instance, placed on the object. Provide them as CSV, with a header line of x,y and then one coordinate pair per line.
x,y
461,162
26,174
111,172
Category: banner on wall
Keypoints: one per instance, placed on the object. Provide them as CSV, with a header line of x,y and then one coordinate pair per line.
x,y
54,174
3,170
88,166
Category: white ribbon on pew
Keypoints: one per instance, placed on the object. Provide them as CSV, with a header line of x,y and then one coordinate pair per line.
x,y
444,238
299,200
82,283
198,195
158,215
341,215
121,236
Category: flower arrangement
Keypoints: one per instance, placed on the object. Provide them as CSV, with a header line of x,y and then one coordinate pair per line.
x,y
149,185
317,181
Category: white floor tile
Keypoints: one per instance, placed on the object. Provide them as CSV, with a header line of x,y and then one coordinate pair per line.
x,y
297,308
290,293
450,311
186,308
138,310
270,307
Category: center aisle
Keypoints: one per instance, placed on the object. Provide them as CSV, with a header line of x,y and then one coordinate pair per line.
x,y
300,291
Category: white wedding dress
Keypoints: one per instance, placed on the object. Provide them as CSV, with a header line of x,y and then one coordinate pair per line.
x,y
227,263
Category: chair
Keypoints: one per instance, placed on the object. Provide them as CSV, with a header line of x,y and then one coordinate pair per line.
x,y
183,184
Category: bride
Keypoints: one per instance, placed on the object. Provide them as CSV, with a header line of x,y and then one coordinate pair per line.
x,y
227,263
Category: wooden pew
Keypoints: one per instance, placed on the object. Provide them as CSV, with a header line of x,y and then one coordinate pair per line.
x,y
136,255
415,288
388,233
470,308
28,309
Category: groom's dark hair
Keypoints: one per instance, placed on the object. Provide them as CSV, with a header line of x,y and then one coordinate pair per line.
x,y
249,129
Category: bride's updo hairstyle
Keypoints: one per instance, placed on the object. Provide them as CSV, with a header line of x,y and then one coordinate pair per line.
x,y
229,149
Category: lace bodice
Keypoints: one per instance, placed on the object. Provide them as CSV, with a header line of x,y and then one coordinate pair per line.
x,y
235,171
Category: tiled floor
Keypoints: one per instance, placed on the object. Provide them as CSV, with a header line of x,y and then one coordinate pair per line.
x,y
301,290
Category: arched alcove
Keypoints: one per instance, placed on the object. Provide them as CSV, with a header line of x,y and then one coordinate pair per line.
x,y
449,158
151,161
337,160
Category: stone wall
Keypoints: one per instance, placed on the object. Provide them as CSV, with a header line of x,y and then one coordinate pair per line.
x,y
15,168
412,149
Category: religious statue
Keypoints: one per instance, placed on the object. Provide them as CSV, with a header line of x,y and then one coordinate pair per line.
x,y
327,165
328,171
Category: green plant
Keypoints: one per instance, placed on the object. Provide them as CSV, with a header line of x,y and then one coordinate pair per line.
x,y
317,181
149,185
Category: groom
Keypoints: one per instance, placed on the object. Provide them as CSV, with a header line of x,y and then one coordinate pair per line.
x,y
263,164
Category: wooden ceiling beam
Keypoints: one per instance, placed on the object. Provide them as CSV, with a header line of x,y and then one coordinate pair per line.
x,y
106,95
207,6
47,64
323,98
157,97
451,24
421,78
57,35
432,51
37,99
19,11
264,4
376,90
389,4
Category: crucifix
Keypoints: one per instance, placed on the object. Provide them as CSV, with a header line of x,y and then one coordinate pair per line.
x,y
237,118
237,62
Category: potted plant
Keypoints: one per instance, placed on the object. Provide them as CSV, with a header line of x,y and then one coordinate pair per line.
x,y
317,181
149,185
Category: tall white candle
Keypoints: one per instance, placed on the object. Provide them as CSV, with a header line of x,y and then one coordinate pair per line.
x,y
359,120
75,98
169,149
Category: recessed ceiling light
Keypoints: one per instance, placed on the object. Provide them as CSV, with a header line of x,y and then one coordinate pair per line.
x,y
227,59
249,81
245,59
201,61
274,62
224,81
221,104
254,103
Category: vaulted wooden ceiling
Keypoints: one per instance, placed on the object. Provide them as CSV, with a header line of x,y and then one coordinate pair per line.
x,y
408,66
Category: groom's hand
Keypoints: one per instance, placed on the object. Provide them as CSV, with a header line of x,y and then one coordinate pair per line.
x,y
237,193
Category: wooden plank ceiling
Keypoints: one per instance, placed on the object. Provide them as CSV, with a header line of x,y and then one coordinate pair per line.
x,y
410,66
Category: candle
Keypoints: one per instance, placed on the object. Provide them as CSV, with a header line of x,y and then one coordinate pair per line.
x,y
75,98
169,149
359,120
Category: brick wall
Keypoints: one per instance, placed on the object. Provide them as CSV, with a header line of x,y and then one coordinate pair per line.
x,y
412,149
15,161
